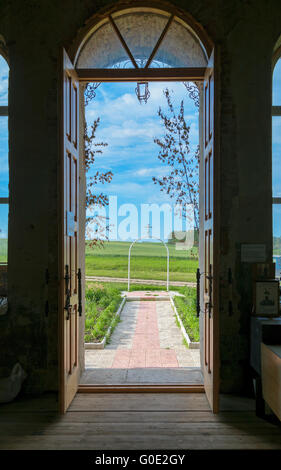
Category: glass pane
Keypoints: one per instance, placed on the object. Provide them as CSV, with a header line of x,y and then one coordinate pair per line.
x,y
276,86
102,50
141,31
4,211
4,77
180,48
276,156
4,163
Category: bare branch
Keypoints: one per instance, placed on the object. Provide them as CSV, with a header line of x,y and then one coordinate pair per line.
x,y
182,183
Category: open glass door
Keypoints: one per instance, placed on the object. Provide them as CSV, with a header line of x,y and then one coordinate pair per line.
x,y
210,363
69,272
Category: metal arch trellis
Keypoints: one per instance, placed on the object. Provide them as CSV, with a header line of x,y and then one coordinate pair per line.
x,y
129,258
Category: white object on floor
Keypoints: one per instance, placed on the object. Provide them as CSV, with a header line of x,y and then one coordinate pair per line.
x,y
3,305
10,386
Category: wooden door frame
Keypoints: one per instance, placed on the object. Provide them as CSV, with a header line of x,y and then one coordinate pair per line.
x,y
132,75
158,75
212,378
65,64
217,226
60,208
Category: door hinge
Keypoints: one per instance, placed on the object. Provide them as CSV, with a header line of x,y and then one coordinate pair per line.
x,y
79,292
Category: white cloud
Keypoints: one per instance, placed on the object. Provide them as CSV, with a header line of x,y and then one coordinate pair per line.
x,y
110,107
4,74
156,171
129,129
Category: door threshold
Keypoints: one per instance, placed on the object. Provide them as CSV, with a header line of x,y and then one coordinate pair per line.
x,y
144,388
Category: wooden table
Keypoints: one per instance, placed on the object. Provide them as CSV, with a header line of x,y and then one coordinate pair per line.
x,y
271,376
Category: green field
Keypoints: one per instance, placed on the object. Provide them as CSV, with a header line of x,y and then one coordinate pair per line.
x,y
148,261
3,250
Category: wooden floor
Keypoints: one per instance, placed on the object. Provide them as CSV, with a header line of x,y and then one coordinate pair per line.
x,y
135,421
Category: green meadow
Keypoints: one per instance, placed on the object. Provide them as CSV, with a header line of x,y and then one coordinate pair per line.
x,y
3,250
148,261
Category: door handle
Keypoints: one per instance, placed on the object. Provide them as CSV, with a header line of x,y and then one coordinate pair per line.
x,y
198,275
68,309
210,284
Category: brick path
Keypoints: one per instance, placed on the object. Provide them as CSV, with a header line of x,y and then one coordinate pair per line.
x,y
146,337
146,351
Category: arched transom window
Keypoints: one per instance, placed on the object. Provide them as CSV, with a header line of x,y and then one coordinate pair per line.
x,y
141,38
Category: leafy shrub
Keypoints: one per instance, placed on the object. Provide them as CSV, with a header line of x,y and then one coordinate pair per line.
x,y
186,307
101,306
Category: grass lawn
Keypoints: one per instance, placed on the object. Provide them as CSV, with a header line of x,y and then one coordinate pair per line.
x,y
148,261
186,306
3,250
101,304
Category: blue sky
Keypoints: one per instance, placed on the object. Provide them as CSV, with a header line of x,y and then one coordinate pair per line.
x,y
276,149
129,129
4,175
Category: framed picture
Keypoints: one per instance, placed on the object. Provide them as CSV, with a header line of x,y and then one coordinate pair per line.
x,y
267,298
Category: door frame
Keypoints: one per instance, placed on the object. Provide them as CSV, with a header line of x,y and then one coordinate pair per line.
x,y
72,147
163,74
174,75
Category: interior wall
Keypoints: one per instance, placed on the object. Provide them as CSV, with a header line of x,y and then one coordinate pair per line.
x,y
34,31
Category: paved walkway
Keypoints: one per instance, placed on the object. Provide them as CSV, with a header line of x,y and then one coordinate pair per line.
x,y
140,281
146,342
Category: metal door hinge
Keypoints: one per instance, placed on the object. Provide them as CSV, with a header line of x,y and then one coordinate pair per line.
x,y
79,292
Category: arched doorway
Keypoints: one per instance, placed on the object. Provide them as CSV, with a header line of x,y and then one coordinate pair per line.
x,y
128,45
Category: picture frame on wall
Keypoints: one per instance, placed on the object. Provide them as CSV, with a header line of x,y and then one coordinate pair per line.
x,y
267,298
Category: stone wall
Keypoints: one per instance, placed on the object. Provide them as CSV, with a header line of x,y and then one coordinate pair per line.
x,y
35,30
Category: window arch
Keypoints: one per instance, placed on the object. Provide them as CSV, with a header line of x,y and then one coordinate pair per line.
x,y
147,37
4,162
276,161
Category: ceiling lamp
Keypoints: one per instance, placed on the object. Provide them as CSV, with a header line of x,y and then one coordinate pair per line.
x,y
142,92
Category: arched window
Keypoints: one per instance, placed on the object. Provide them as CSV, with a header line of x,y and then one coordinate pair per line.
x,y
276,165
147,38
4,163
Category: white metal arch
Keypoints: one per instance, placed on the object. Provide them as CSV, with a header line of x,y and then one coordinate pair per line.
x,y
129,258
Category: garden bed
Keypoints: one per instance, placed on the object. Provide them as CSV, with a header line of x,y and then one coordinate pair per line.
x,y
185,310
103,306
184,307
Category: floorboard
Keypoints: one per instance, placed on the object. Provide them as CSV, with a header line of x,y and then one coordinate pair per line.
x,y
176,375
135,422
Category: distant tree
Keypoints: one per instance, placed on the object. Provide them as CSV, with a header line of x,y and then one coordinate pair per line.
x,y
92,148
182,182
